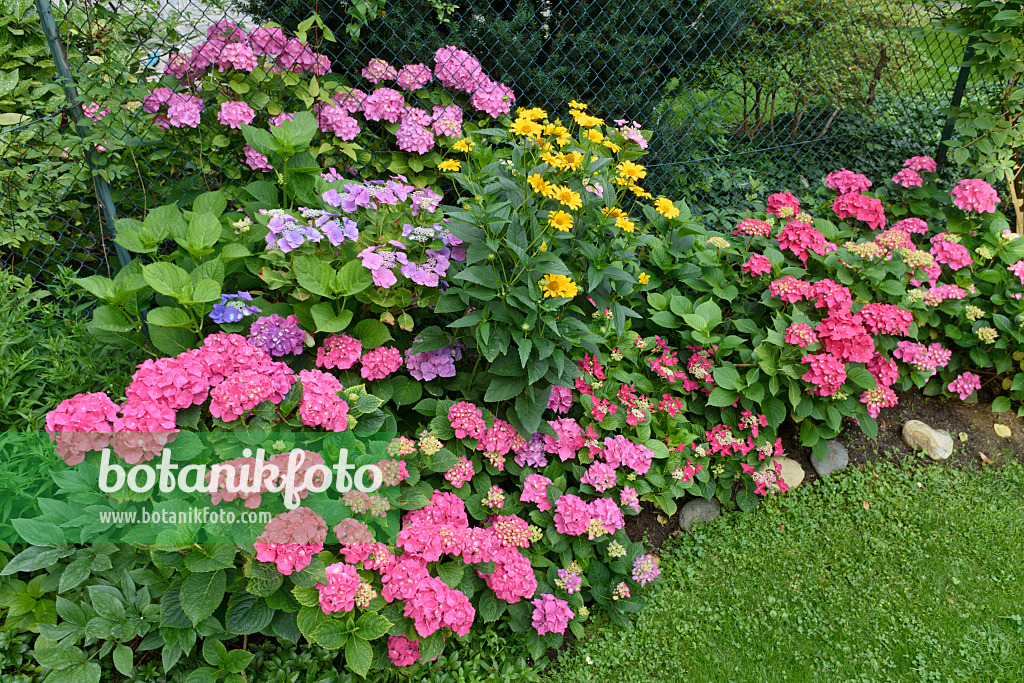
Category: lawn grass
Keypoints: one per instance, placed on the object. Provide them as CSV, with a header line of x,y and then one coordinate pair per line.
x,y
888,574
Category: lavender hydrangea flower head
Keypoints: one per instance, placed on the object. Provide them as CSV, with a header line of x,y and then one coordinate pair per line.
x,y
277,336
336,234
232,308
532,454
429,365
381,264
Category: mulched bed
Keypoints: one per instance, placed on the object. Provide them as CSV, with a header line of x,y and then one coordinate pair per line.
x,y
975,420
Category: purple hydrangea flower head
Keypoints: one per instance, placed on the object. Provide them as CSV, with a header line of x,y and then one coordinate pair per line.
x,y
232,308
337,234
276,335
532,454
429,365
381,264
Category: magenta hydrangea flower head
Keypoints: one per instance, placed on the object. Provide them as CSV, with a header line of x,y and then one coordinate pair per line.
x,y
245,389
757,264
434,606
384,104
535,490
965,384
403,651
267,40
81,424
380,362
183,111
560,399
975,195
255,160
234,114
174,383
236,56
447,121
862,208
921,164
334,119
277,336
1018,270
845,182
340,351
414,76
572,515
291,539
568,439
825,372
783,205
339,593
467,420
645,570
800,334
608,513
908,178
513,578
949,253
600,475
551,614
877,398
911,226
321,406
628,498
457,69
378,70
495,99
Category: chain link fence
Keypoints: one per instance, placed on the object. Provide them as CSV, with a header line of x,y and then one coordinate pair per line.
x,y
743,97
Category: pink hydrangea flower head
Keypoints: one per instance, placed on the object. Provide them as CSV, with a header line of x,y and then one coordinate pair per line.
x,y
414,76
340,351
920,164
513,578
753,228
535,490
245,389
908,178
825,372
384,104
339,593
567,441
256,161
401,577
378,70
447,121
499,438
291,539
884,370
645,570
353,532
756,265
923,358
609,514
511,531
911,226
560,399
434,605
877,398
236,56
950,253
183,111
620,451
176,383
846,182
403,651
800,334
414,137
1018,270
800,238
81,424
965,384
846,339
975,195
380,362
321,406
862,208
461,472
334,119
628,498
783,205
551,614
572,515
885,319
234,114
790,289
457,69
142,430
279,119
467,420
493,98
600,475
267,40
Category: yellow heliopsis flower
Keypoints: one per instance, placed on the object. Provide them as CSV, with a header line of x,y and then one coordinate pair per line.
x,y
464,145
532,114
613,212
586,120
554,160
560,133
449,165
567,197
577,105
558,286
641,192
572,160
625,224
643,278
664,206
526,128
612,146
560,220
593,135
634,172
539,185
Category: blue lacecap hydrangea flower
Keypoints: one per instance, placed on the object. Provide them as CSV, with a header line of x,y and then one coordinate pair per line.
x,y
232,308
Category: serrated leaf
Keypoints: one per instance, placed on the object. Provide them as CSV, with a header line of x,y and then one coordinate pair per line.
x,y
201,594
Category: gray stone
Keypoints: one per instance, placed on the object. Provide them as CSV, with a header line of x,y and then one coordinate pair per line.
x,y
699,510
936,443
836,458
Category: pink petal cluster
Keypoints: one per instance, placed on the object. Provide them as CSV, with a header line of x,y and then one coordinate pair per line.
x,y
567,441
756,265
825,372
572,515
908,178
499,438
336,120
920,164
753,228
885,319
950,253
321,406
461,472
560,399
964,385
911,226
493,98
513,578
877,398
1018,270
862,208
551,614
246,389
81,424
800,237
800,334
847,182
414,137
535,490
783,205
467,420
237,56
789,289
380,362
434,606
600,475
619,450
339,593
234,114
291,539
255,160
340,351
384,104
414,76
924,358
378,70
457,69
976,195
403,651
447,121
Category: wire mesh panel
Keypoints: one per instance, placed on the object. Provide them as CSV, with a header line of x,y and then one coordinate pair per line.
x,y
742,97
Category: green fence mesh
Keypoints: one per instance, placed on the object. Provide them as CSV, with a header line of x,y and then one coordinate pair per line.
x,y
744,97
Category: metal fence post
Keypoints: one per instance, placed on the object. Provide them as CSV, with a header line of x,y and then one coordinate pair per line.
x,y
954,104
70,91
